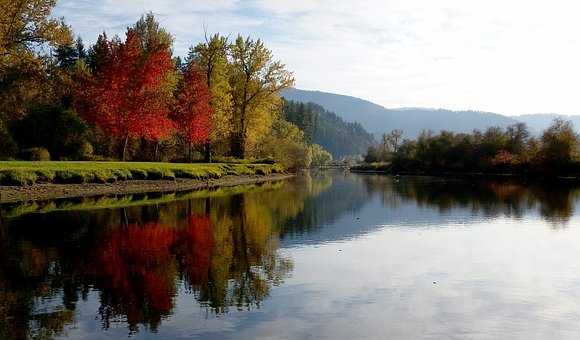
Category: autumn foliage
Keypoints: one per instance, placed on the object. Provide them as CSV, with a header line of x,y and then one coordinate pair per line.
x,y
132,97
125,95
192,113
137,267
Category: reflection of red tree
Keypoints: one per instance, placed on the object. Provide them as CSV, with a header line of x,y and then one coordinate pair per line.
x,y
136,267
195,247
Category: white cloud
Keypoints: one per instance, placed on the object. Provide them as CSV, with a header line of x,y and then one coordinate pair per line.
x,y
506,56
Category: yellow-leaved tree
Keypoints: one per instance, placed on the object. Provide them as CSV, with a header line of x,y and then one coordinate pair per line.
x,y
212,57
256,81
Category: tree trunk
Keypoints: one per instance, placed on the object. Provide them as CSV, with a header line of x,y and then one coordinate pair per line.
x,y
242,147
237,146
189,153
124,156
207,152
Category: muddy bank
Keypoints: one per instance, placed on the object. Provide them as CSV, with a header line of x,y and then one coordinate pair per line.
x,y
10,194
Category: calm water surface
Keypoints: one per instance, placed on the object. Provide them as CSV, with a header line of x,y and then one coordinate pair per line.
x,y
325,256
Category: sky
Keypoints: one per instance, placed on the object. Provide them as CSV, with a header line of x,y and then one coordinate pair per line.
x,y
505,56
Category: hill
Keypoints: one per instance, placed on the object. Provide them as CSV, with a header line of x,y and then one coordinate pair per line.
x,y
378,119
327,129
540,121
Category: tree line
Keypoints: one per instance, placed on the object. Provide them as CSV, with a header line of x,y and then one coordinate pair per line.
x,y
509,150
130,98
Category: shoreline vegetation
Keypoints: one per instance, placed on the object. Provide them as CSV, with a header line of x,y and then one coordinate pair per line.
x,y
163,178
129,97
495,152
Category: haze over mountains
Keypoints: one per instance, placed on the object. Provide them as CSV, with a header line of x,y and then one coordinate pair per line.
x,y
378,119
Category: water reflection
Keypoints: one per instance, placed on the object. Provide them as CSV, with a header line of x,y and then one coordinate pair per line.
x,y
554,201
221,249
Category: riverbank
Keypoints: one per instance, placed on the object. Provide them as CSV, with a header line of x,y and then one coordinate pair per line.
x,y
22,173
47,191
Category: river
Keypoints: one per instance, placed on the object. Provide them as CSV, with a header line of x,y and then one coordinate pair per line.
x,y
326,255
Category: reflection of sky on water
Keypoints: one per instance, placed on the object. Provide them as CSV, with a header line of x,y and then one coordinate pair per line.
x,y
500,279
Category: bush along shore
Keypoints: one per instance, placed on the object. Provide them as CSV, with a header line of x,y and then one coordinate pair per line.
x,y
16,173
511,151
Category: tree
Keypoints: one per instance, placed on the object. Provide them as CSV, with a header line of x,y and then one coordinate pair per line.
x,y
559,143
25,24
518,135
192,113
285,143
126,96
25,27
393,140
211,57
256,81
58,129
66,55
320,157
151,35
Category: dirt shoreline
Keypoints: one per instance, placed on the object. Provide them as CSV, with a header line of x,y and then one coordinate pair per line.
x,y
40,192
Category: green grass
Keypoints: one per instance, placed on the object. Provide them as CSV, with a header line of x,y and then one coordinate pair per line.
x,y
27,173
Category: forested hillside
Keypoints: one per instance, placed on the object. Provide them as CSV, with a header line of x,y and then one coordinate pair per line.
x,y
378,119
323,127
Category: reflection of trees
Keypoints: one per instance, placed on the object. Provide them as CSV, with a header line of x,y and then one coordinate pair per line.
x,y
326,199
222,249
554,201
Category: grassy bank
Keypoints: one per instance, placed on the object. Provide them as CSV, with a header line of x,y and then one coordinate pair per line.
x,y
27,173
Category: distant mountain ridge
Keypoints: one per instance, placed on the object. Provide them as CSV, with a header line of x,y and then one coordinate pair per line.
x,y
378,119
540,121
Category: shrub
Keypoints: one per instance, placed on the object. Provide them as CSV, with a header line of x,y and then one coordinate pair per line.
x,y
102,176
154,174
122,174
138,173
16,177
86,151
45,176
73,177
36,154
56,128
168,174
183,173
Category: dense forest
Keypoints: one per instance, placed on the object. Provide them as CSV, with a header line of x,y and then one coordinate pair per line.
x,y
495,150
327,129
130,98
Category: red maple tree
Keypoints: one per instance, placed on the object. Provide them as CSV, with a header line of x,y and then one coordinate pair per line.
x,y
125,96
192,112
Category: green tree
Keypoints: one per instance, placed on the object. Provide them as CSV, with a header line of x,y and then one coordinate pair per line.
x,y
285,143
559,143
320,157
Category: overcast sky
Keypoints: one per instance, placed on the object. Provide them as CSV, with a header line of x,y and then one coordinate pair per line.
x,y
505,56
